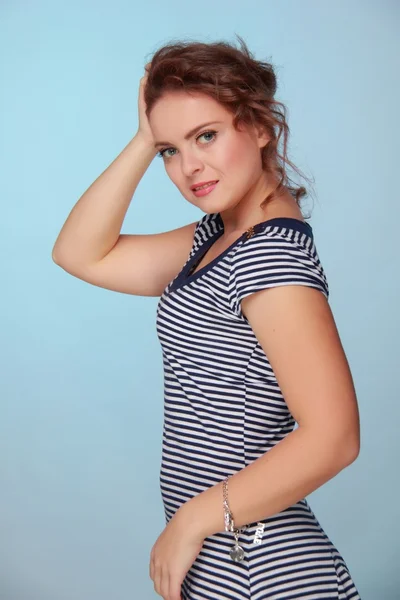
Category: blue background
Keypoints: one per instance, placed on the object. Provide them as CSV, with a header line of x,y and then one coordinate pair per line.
x,y
81,367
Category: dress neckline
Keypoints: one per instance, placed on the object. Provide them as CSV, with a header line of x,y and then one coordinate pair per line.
x,y
285,222
187,276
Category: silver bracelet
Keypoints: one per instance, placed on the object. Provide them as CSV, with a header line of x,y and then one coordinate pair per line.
x,y
236,552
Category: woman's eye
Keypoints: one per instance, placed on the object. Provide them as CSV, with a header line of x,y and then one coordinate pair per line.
x,y
162,153
207,133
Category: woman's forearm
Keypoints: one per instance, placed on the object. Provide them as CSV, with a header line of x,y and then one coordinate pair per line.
x,y
291,470
94,224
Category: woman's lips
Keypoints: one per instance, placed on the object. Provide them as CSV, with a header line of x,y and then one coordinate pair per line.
x,y
206,190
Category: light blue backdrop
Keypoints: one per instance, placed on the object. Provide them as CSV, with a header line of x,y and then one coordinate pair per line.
x,y
81,367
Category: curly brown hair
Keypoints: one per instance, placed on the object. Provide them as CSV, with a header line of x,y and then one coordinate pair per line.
x,y
243,85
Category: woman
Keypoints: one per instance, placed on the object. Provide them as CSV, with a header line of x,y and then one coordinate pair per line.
x,y
250,346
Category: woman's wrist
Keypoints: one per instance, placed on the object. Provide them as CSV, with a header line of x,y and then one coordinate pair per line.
x,y
203,515
146,140
190,520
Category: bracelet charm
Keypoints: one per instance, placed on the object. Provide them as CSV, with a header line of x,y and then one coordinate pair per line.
x,y
236,552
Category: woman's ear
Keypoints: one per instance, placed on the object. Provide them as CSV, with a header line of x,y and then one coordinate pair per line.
x,y
262,136
257,131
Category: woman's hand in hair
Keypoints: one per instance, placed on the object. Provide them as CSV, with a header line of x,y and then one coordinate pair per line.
x,y
144,128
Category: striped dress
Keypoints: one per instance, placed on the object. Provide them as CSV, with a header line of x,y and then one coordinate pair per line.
x,y
223,409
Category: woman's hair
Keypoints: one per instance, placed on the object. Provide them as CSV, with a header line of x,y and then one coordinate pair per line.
x,y
243,85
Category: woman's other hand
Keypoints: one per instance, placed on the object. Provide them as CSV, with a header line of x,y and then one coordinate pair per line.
x,y
172,556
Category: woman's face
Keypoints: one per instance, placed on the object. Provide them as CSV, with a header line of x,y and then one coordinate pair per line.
x,y
216,151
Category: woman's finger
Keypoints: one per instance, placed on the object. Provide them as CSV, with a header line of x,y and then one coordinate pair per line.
x,y
175,588
157,579
151,567
164,587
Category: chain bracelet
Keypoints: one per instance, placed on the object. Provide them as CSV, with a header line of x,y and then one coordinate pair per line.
x,y
236,552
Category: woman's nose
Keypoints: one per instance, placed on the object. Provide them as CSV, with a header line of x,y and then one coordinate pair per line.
x,y
191,164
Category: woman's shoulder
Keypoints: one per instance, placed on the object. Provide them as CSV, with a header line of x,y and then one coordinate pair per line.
x,y
279,232
278,251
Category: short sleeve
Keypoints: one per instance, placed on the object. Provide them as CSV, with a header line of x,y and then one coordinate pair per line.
x,y
274,259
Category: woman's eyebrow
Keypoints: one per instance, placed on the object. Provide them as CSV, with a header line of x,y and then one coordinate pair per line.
x,y
189,134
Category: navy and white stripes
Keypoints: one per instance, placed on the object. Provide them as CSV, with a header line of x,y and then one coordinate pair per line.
x,y
223,409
